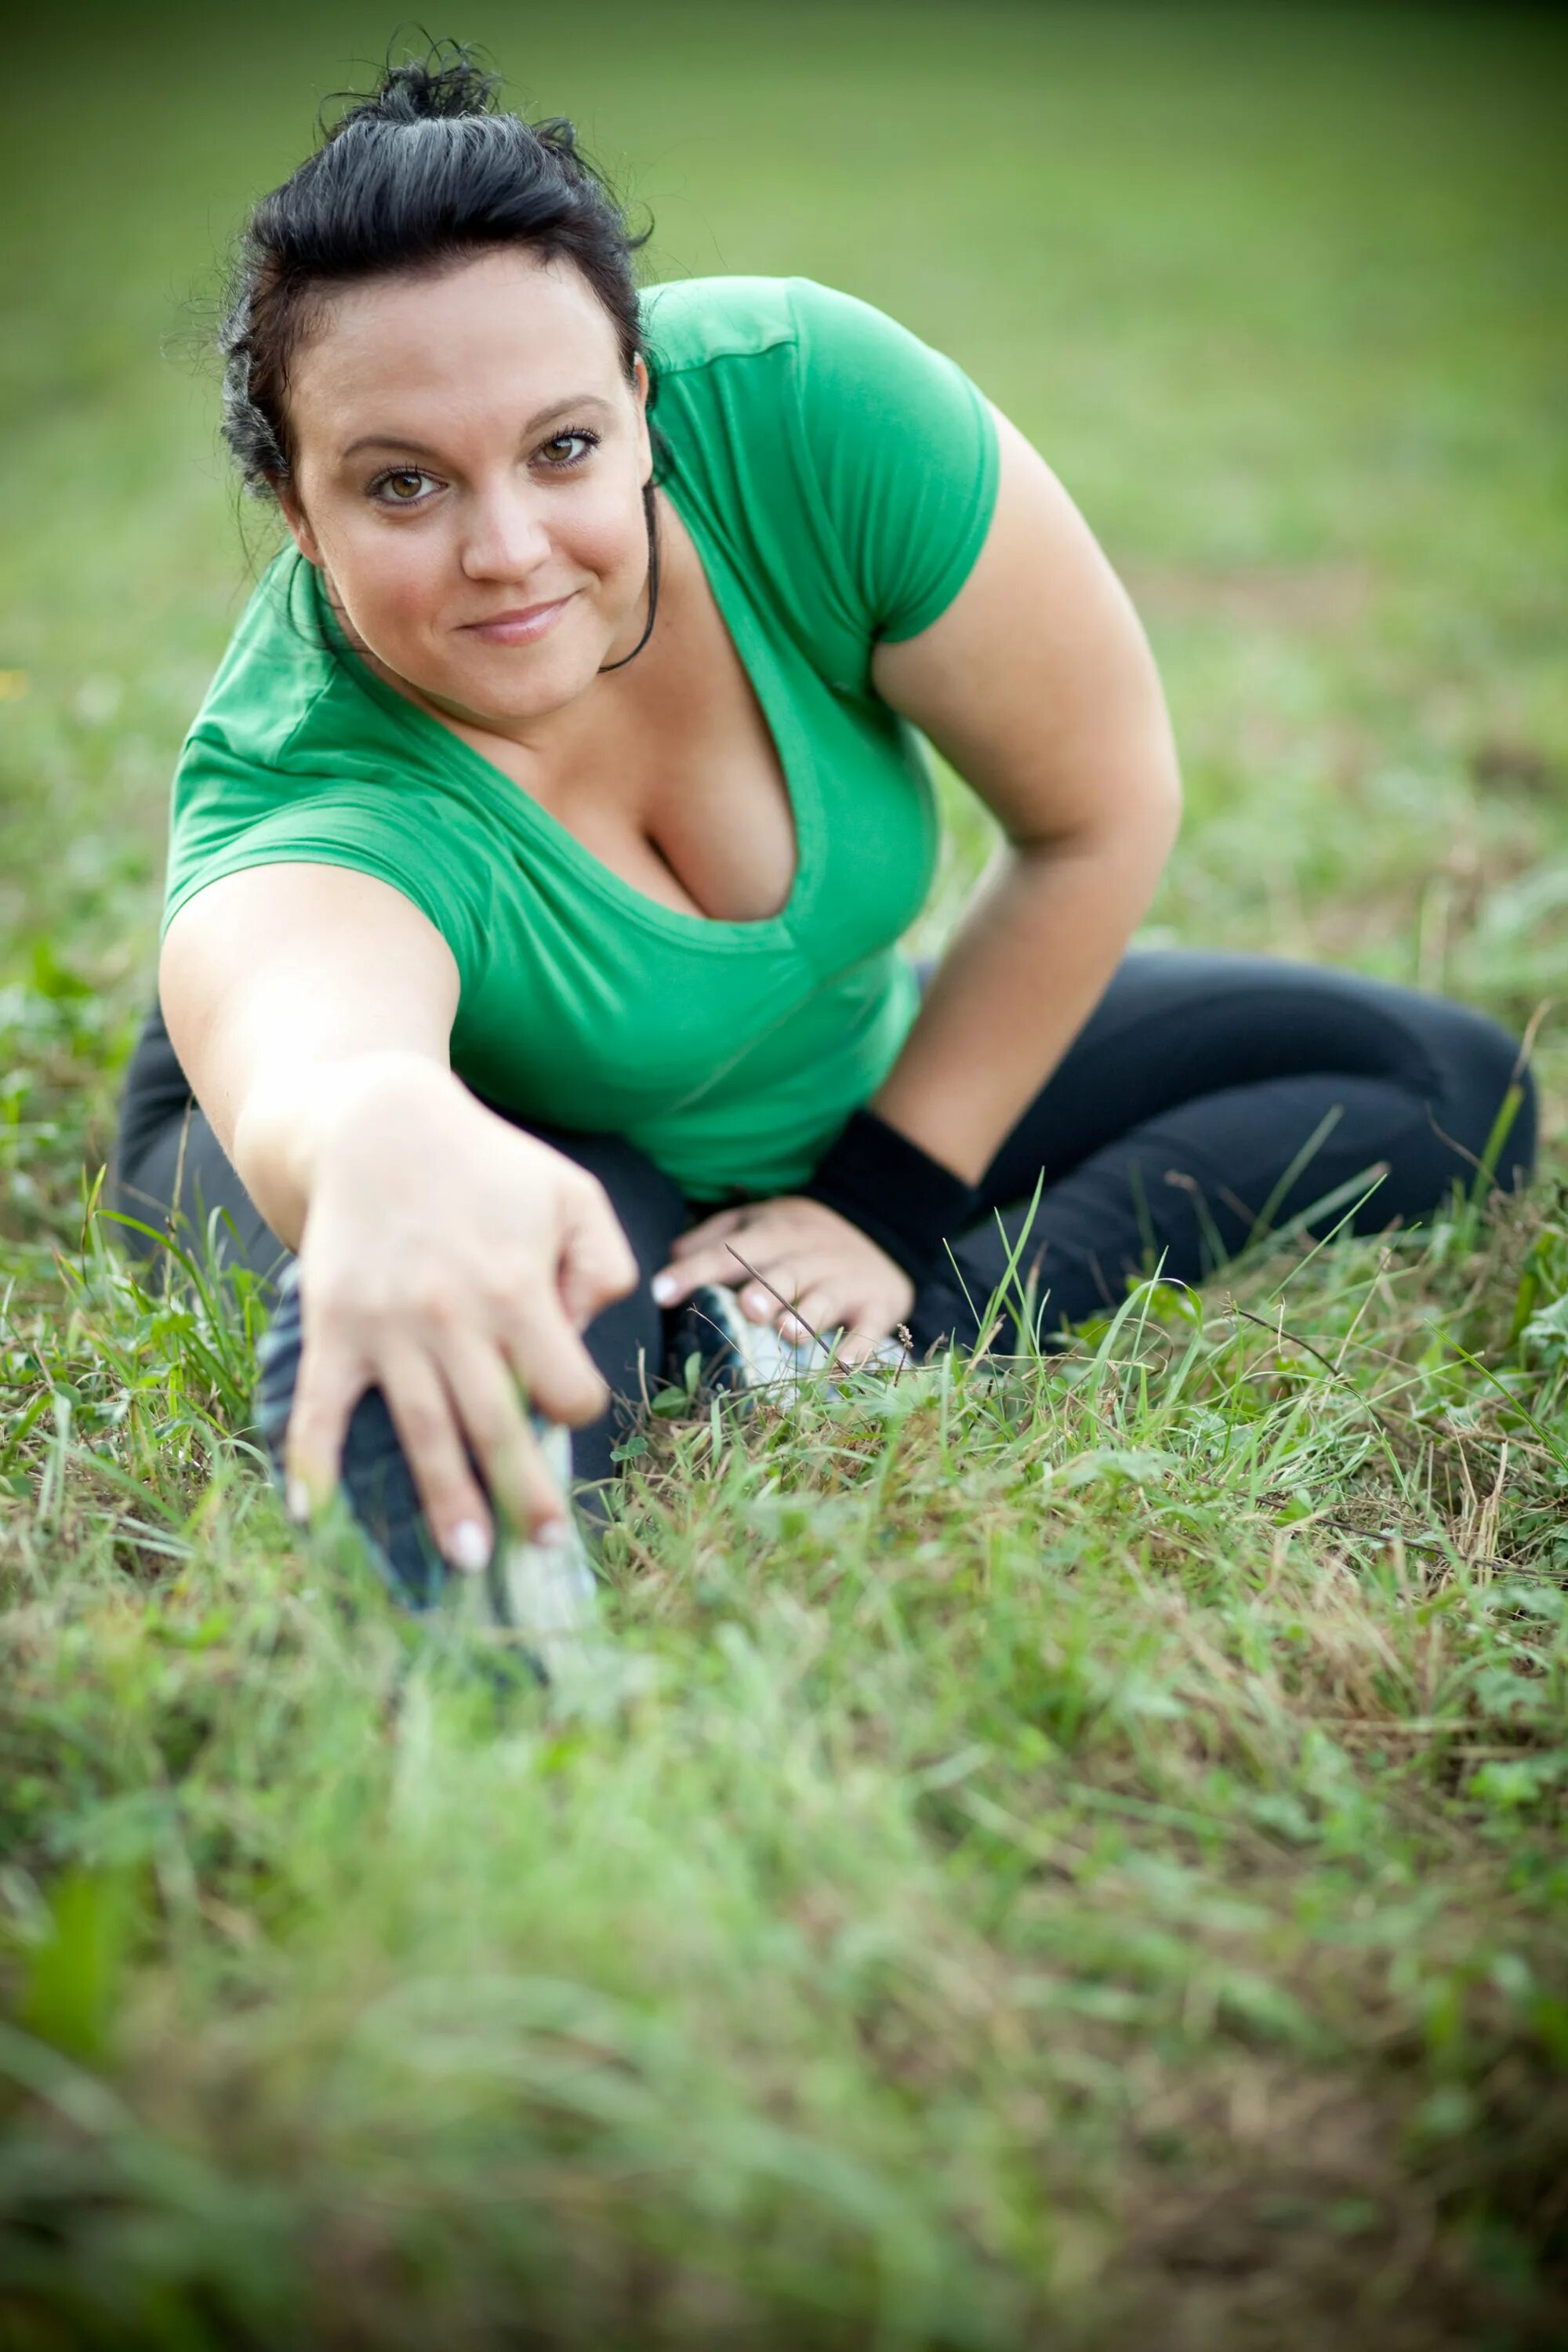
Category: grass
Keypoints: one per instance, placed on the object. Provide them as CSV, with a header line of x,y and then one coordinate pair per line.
x,y
1066,1851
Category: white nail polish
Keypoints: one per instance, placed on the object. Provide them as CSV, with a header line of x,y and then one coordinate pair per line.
x,y
553,1534
469,1546
663,1289
299,1499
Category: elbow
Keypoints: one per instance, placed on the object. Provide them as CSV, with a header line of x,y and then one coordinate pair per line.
x,y
1166,805
1156,814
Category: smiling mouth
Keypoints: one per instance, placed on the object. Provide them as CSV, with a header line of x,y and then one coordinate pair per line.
x,y
521,624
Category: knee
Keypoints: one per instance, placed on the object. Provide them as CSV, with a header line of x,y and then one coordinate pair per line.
x,y
627,1338
1516,1156
1489,1102
122,1197
277,1365
130,1189
648,1205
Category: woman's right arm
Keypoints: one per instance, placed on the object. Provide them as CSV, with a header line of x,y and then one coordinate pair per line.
x,y
443,1254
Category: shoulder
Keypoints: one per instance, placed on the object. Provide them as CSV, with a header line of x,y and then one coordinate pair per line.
x,y
284,708
291,760
286,734
812,360
850,464
690,323
276,673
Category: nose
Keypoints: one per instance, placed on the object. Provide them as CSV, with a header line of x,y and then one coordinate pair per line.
x,y
504,536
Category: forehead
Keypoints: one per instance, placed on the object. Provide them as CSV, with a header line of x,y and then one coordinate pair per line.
x,y
505,318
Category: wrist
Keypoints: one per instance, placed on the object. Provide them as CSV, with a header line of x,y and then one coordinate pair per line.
x,y
293,1120
895,1193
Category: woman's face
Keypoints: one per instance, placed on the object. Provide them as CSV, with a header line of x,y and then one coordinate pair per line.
x,y
468,449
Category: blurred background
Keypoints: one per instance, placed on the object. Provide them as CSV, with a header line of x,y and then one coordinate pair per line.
x,y
1277,292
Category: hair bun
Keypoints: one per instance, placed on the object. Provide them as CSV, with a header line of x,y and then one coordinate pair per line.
x,y
369,202
444,83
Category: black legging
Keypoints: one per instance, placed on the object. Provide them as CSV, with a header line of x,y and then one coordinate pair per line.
x,y
1205,1094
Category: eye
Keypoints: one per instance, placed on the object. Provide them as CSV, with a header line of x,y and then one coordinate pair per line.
x,y
586,443
400,486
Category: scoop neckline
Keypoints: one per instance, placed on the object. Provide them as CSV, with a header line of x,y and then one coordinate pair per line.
x,y
755,654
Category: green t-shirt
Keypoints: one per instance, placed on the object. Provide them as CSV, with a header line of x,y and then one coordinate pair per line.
x,y
838,477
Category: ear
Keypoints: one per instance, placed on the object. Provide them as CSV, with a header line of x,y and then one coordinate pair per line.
x,y
640,390
304,538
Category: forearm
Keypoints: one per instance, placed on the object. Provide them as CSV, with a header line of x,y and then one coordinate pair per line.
x,y
1029,961
298,997
290,1113
1038,687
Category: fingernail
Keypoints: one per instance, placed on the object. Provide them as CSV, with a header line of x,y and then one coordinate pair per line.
x,y
299,1499
469,1546
552,1533
663,1287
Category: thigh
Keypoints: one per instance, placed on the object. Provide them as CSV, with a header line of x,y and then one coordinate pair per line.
x,y
167,1159
650,1207
169,1170
1175,1025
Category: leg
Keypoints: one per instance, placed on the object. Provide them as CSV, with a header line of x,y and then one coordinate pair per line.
x,y
162,1129
167,1163
625,1342
1208,1095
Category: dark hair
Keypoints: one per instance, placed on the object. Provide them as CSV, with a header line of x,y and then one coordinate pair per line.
x,y
425,170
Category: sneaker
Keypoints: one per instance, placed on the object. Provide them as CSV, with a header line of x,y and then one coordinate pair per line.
x,y
541,1595
737,1356
734,1354
539,1598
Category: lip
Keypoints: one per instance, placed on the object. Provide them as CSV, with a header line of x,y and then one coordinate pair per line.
x,y
519,626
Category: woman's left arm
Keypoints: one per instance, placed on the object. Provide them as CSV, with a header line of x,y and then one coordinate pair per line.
x,y
1037,685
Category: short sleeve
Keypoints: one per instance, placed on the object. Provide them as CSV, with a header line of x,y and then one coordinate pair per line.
x,y
406,840
903,449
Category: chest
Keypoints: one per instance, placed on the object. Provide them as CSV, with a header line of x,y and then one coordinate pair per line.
x,y
680,788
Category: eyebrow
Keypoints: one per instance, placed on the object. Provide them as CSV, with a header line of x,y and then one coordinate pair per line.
x,y
422,448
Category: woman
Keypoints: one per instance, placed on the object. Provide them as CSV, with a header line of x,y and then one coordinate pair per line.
x,y
539,855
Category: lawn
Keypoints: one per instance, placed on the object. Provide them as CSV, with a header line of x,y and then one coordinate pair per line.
x,y
1062,1853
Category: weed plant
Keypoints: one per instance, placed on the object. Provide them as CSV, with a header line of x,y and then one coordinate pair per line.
x,y
1062,1847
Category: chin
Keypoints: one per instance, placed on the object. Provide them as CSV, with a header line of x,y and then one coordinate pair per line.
x,y
515,690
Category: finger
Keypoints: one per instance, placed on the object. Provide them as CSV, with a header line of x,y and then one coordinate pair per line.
x,y
330,1383
451,1499
559,1377
707,1231
674,1283
593,1274
760,1302
749,1243
597,1263
860,1338
766,1272
810,1315
494,1418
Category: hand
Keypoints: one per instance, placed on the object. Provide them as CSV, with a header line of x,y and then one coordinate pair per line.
x,y
828,1271
447,1256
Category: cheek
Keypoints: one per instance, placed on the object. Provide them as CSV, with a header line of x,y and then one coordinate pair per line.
x,y
602,530
393,582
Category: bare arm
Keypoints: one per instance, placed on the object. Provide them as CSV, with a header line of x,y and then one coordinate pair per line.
x,y
443,1254
1038,685
295,996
